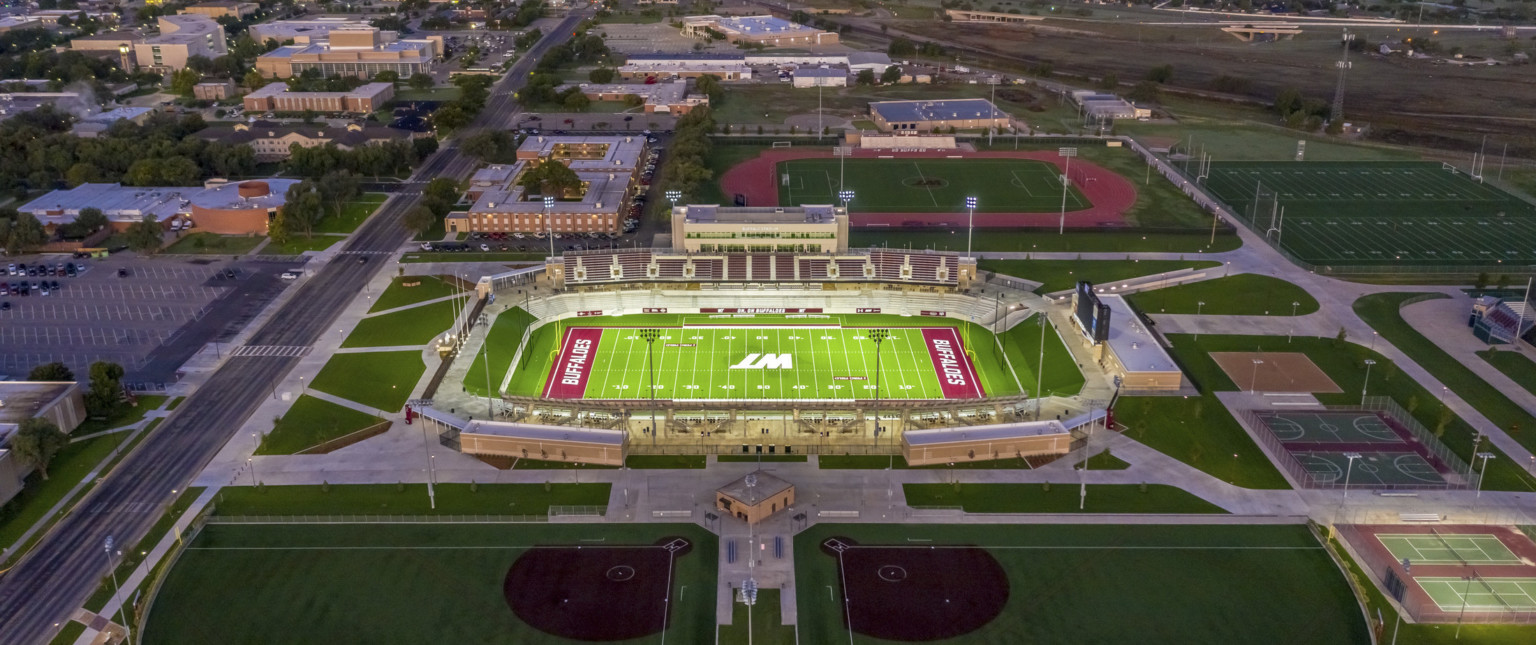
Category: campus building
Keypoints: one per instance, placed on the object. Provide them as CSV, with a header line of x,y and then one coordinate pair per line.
x,y
220,206
58,401
305,31
754,496
765,30
962,15
1107,107
274,141
660,98
607,167
276,97
1121,343
93,125
221,8
544,443
820,77
352,52
941,446
760,229
652,67
926,116
182,36
215,90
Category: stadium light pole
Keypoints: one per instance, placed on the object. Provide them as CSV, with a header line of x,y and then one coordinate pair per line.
x,y
845,196
673,196
1253,382
127,634
879,336
650,336
1040,368
1367,385
1066,181
1485,456
549,202
970,225
1351,456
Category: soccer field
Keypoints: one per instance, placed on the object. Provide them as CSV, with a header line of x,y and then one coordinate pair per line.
x,y
1373,213
767,362
929,185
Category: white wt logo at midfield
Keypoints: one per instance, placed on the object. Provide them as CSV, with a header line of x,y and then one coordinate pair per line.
x,y
766,362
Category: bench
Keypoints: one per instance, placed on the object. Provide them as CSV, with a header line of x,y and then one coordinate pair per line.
x,y
1419,517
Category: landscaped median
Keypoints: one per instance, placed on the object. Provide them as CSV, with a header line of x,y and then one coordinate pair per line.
x,y
407,499
413,326
1244,294
381,380
311,422
411,289
1061,497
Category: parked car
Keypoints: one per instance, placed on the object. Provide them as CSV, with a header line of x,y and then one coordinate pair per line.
x,y
289,275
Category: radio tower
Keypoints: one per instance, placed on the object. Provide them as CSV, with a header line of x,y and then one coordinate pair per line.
x,y
1338,91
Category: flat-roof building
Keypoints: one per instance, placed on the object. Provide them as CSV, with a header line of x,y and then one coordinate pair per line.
x,y
766,30
544,443
1132,353
93,125
182,36
304,31
659,98
276,97
606,166
60,402
710,228
274,141
215,90
925,116
985,443
218,207
643,67
221,8
352,52
821,77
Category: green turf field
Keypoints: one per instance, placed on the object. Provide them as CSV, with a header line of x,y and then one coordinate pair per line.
x,y
828,354
392,583
1379,213
1117,584
929,185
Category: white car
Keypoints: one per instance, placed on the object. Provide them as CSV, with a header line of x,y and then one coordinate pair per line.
x,y
485,247
518,235
426,246
289,275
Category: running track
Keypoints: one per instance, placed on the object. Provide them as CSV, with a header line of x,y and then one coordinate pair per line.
x,y
1110,194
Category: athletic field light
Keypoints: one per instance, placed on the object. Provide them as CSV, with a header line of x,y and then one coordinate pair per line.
x,y
879,336
970,226
1066,182
845,196
1351,456
1367,385
650,336
549,202
673,196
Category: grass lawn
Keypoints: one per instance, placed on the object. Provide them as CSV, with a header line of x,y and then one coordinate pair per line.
x,y
1517,366
761,458
175,403
437,231
1345,364
1058,498
39,495
471,256
1381,311
383,380
431,583
506,332
764,621
122,416
298,244
1200,432
1060,275
213,244
665,461
310,422
133,557
68,634
1103,461
1021,344
540,464
1026,240
1187,582
1245,294
414,326
408,499
398,295
352,214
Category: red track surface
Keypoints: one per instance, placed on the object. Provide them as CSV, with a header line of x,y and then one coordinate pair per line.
x,y
1110,194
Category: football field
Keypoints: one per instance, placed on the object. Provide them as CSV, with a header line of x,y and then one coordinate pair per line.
x,y
1365,213
929,185
764,362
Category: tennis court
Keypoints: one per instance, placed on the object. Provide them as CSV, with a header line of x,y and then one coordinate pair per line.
x,y
1330,427
1476,593
1437,548
1370,470
1363,213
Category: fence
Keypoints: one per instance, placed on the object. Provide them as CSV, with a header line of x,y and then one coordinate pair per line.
x,y
578,511
1389,576
1461,476
378,519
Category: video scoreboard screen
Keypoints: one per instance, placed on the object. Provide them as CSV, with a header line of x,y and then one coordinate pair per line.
x,y
1092,315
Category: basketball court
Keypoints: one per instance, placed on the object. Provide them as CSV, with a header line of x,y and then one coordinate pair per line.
x,y
1320,444
1274,372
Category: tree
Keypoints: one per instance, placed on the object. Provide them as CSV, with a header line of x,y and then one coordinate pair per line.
x,y
26,234
1481,283
1110,81
338,188
550,178
303,208
420,219
387,76
891,75
633,101
453,116
601,75
1145,91
145,235
490,146
51,372
901,47
37,441
254,80
577,102
866,77
1160,74
277,229
1287,101
709,85
420,81
106,389
183,80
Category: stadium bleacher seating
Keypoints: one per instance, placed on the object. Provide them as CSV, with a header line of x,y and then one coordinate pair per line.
x,y
911,267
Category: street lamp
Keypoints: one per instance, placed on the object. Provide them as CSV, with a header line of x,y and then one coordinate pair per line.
x,y
1485,456
1351,456
549,202
127,635
1367,385
650,336
879,336
1066,182
970,227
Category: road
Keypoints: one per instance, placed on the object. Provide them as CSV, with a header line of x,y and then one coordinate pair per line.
x,y
70,562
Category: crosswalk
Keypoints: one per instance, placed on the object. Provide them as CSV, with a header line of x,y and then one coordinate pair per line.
x,y
281,351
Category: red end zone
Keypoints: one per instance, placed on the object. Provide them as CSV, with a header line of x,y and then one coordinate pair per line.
x,y
568,376
956,375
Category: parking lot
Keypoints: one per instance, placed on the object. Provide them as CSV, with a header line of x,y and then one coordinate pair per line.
x,y
148,315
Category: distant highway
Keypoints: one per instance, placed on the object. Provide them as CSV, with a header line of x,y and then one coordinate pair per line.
x,y
69,563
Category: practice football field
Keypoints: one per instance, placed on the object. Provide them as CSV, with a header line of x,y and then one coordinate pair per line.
x,y
1362,213
766,362
928,185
